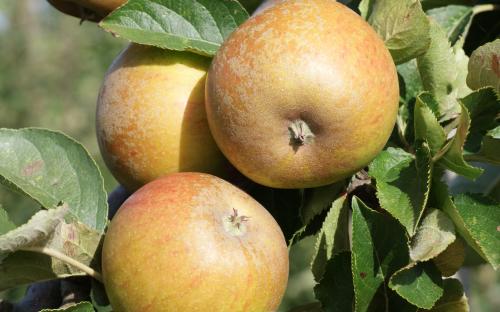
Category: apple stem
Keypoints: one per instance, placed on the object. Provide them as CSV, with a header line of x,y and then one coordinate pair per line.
x,y
300,133
64,258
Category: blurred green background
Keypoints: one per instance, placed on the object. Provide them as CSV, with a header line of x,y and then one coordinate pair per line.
x,y
51,69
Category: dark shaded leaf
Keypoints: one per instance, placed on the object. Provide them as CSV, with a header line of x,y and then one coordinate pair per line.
x,y
332,238
335,290
451,259
379,248
453,299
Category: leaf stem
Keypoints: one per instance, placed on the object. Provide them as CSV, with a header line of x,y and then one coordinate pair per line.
x,y
480,158
64,258
485,8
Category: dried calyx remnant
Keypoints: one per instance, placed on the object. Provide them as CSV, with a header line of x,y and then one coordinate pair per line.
x,y
235,224
300,133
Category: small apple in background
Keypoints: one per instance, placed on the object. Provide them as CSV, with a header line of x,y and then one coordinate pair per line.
x,y
116,199
151,116
194,242
92,10
304,99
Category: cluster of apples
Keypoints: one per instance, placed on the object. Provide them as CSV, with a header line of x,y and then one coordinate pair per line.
x,y
301,95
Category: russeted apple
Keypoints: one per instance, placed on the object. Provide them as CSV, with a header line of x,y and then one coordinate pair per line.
x,y
302,95
92,10
194,242
151,116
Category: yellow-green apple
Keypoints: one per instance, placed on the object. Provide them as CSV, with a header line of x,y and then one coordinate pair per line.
x,y
151,116
92,10
302,95
194,242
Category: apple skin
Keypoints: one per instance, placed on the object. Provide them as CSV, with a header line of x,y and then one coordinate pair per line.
x,y
92,10
151,118
172,247
323,70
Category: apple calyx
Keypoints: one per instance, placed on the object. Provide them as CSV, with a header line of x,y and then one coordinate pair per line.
x,y
235,224
300,133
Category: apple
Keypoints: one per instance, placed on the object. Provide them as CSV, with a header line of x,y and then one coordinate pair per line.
x,y
151,116
302,99
194,242
92,10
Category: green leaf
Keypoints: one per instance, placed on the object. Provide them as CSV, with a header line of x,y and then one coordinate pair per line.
x,y
406,196
79,307
426,125
63,247
5,224
412,81
483,106
443,70
52,168
379,248
454,19
483,141
199,26
494,133
480,217
484,66
453,157
433,236
335,290
402,24
388,164
451,259
420,284
482,213
453,298
332,238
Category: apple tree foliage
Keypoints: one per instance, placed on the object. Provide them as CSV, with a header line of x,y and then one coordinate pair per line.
x,y
387,239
